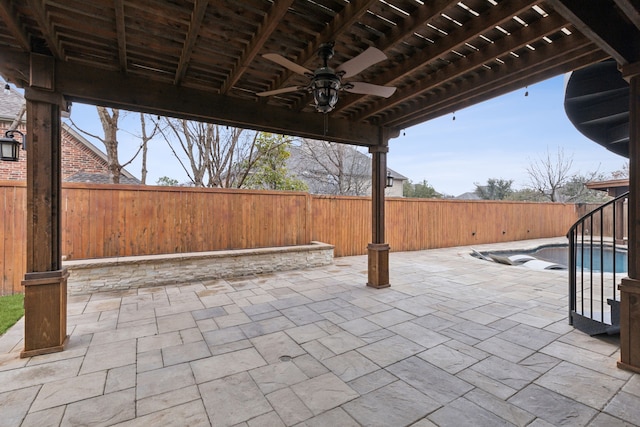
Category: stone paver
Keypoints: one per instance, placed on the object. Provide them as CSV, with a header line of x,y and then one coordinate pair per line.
x,y
233,399
455,341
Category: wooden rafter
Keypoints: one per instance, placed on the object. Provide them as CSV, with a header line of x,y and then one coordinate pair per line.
x,y
496,16
121,34
267,27
600,21
541,62
167,44
630,9
401,32
50,38
351,13
13,24
197,16
477,59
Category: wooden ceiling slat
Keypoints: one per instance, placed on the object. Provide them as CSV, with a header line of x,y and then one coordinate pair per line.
x,y
348,16
469,32
121,34
40,15
600,21
197,16
443,54
13,24
534,31
268,26
566,65
488,80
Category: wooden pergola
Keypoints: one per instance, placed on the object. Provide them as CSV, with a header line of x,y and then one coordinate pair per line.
x,y
203,60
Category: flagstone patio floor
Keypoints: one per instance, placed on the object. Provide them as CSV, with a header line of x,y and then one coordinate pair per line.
x,y
455,341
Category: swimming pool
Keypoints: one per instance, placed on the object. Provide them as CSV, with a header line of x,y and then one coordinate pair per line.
x,y
559,254
585,256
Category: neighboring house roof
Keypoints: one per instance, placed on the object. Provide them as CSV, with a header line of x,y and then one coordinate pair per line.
x,y
299,162
469,195
100,178
613,187
98,152
10,105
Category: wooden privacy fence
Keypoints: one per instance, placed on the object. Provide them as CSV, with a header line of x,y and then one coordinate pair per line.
x,y
416,224
120,220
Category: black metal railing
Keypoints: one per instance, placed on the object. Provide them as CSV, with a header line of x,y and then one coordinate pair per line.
x,y
593,298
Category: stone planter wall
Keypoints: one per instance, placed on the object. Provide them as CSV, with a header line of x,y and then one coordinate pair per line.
x,y
107,274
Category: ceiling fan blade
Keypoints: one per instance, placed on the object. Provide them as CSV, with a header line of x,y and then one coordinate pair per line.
x,y
281,60
370,89
362,62
279,91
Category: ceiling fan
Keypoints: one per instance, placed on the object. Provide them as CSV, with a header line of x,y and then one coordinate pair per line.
x,y
326,82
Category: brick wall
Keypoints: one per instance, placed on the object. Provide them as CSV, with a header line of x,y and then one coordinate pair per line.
x,y
76,157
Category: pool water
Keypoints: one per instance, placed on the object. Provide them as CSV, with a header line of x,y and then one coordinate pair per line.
x,y
560,255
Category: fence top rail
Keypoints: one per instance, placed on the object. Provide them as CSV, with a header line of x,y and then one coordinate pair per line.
x,y
156,188
502,202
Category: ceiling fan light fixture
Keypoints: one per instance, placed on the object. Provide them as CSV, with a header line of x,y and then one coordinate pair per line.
x,y
325,87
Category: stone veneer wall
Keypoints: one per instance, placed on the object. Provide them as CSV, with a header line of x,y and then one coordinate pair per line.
x,y
107,274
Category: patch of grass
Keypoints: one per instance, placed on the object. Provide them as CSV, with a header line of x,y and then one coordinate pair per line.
x,y
11,310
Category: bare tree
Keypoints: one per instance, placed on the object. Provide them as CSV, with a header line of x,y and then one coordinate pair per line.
x,y
109,118
332,168
548,175
145,144
217,156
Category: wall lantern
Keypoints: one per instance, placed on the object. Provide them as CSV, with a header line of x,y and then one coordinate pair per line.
x,y
9,147
389,179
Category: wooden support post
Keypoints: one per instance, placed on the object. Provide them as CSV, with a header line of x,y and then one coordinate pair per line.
x,y
45,282
630,286
378,250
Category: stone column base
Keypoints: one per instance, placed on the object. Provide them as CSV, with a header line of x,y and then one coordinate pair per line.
x,y
45,312
630,325
378,265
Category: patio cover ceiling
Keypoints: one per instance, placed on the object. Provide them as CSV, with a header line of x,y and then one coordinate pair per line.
x,y
202,60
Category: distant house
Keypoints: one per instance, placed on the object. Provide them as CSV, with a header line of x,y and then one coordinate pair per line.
x,y
81,160
469,195
337,169
613,187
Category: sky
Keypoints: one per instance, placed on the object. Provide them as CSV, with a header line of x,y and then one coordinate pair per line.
x,y
498,139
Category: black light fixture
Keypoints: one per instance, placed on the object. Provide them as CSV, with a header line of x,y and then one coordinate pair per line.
x,y
9,147
325,87
389,180
325,83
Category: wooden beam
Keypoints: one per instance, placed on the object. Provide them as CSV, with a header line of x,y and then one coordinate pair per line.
x,y
341,23
121,34
126,91
601,22
197,16
15,66
268,26
526,35
508,85
425,13
466,34
8,16
631,8
488,81
39,12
